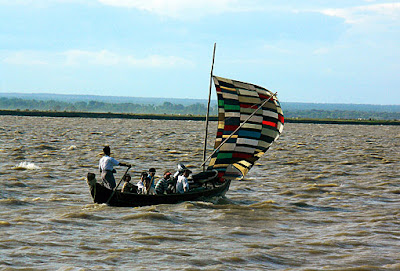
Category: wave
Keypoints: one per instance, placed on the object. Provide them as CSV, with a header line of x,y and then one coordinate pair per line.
x,y
83,215
148,215
45,147
26,166
4,223
12,202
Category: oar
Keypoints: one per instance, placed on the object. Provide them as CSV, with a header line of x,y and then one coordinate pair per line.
x,y
115,189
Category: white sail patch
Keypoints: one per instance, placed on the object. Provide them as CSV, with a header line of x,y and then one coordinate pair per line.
x,y
254,118
232,114
228,147
268,113
244,149
245,92
230,96
252,126
247,141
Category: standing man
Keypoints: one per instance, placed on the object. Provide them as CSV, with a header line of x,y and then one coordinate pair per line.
x,y
182,184
106,166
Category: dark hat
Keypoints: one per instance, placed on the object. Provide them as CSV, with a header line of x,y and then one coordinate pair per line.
x,y
152,170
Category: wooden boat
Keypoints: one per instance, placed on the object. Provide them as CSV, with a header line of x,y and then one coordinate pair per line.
x,y
200,191
250,119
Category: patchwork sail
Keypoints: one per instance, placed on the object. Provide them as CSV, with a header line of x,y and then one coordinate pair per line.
x,y
237,101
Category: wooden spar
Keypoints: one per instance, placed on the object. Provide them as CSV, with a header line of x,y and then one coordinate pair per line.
x,y
208,110
241,125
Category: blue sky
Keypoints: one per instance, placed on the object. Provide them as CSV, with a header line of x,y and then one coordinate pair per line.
x,y
342,51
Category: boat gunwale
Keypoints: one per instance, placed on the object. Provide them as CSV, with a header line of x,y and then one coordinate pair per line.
x,y
100,193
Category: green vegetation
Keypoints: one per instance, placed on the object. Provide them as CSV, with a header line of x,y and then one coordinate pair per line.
x,y
98,106
344,121
197,108
341,114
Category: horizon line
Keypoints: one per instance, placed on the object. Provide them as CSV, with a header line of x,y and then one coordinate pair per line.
x,y
181,98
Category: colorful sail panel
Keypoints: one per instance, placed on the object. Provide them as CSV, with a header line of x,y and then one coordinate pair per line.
x,y
236,102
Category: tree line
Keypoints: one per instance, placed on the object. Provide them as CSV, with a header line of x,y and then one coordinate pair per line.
x,y
98,106
341,114
178,109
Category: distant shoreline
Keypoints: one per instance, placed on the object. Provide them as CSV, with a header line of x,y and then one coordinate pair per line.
x,y
180,117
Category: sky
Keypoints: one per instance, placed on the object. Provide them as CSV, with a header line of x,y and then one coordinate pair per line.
x,y
332,51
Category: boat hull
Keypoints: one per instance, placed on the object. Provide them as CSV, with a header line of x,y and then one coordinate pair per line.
x,y
101,194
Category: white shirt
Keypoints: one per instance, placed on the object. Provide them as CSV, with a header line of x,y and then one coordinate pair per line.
x,y
182,184
107,163
141,188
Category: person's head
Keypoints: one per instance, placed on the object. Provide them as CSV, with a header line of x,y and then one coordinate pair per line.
x,y
152,171
143,176
167,175
187,172
127,178
107,150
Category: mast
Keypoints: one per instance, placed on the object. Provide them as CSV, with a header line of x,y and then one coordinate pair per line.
x,y
208,110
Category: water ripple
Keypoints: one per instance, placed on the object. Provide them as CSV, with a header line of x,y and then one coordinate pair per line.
x,y
323,197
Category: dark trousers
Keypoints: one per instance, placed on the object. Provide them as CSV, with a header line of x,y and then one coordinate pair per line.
x,y
108,179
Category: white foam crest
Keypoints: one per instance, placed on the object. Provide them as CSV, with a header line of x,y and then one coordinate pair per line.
x,y
27,165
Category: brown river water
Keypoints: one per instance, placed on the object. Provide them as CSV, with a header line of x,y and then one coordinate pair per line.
x,y
324,197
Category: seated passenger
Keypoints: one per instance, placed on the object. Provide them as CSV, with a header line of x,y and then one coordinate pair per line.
x,y
152,186
182,184
128,187
162,184
141,185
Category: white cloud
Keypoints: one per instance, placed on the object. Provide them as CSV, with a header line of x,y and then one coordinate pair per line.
x,y
180,8
199,8
322,51
42,3
277,49
107,58
94,58
363,14
25,58
103,57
